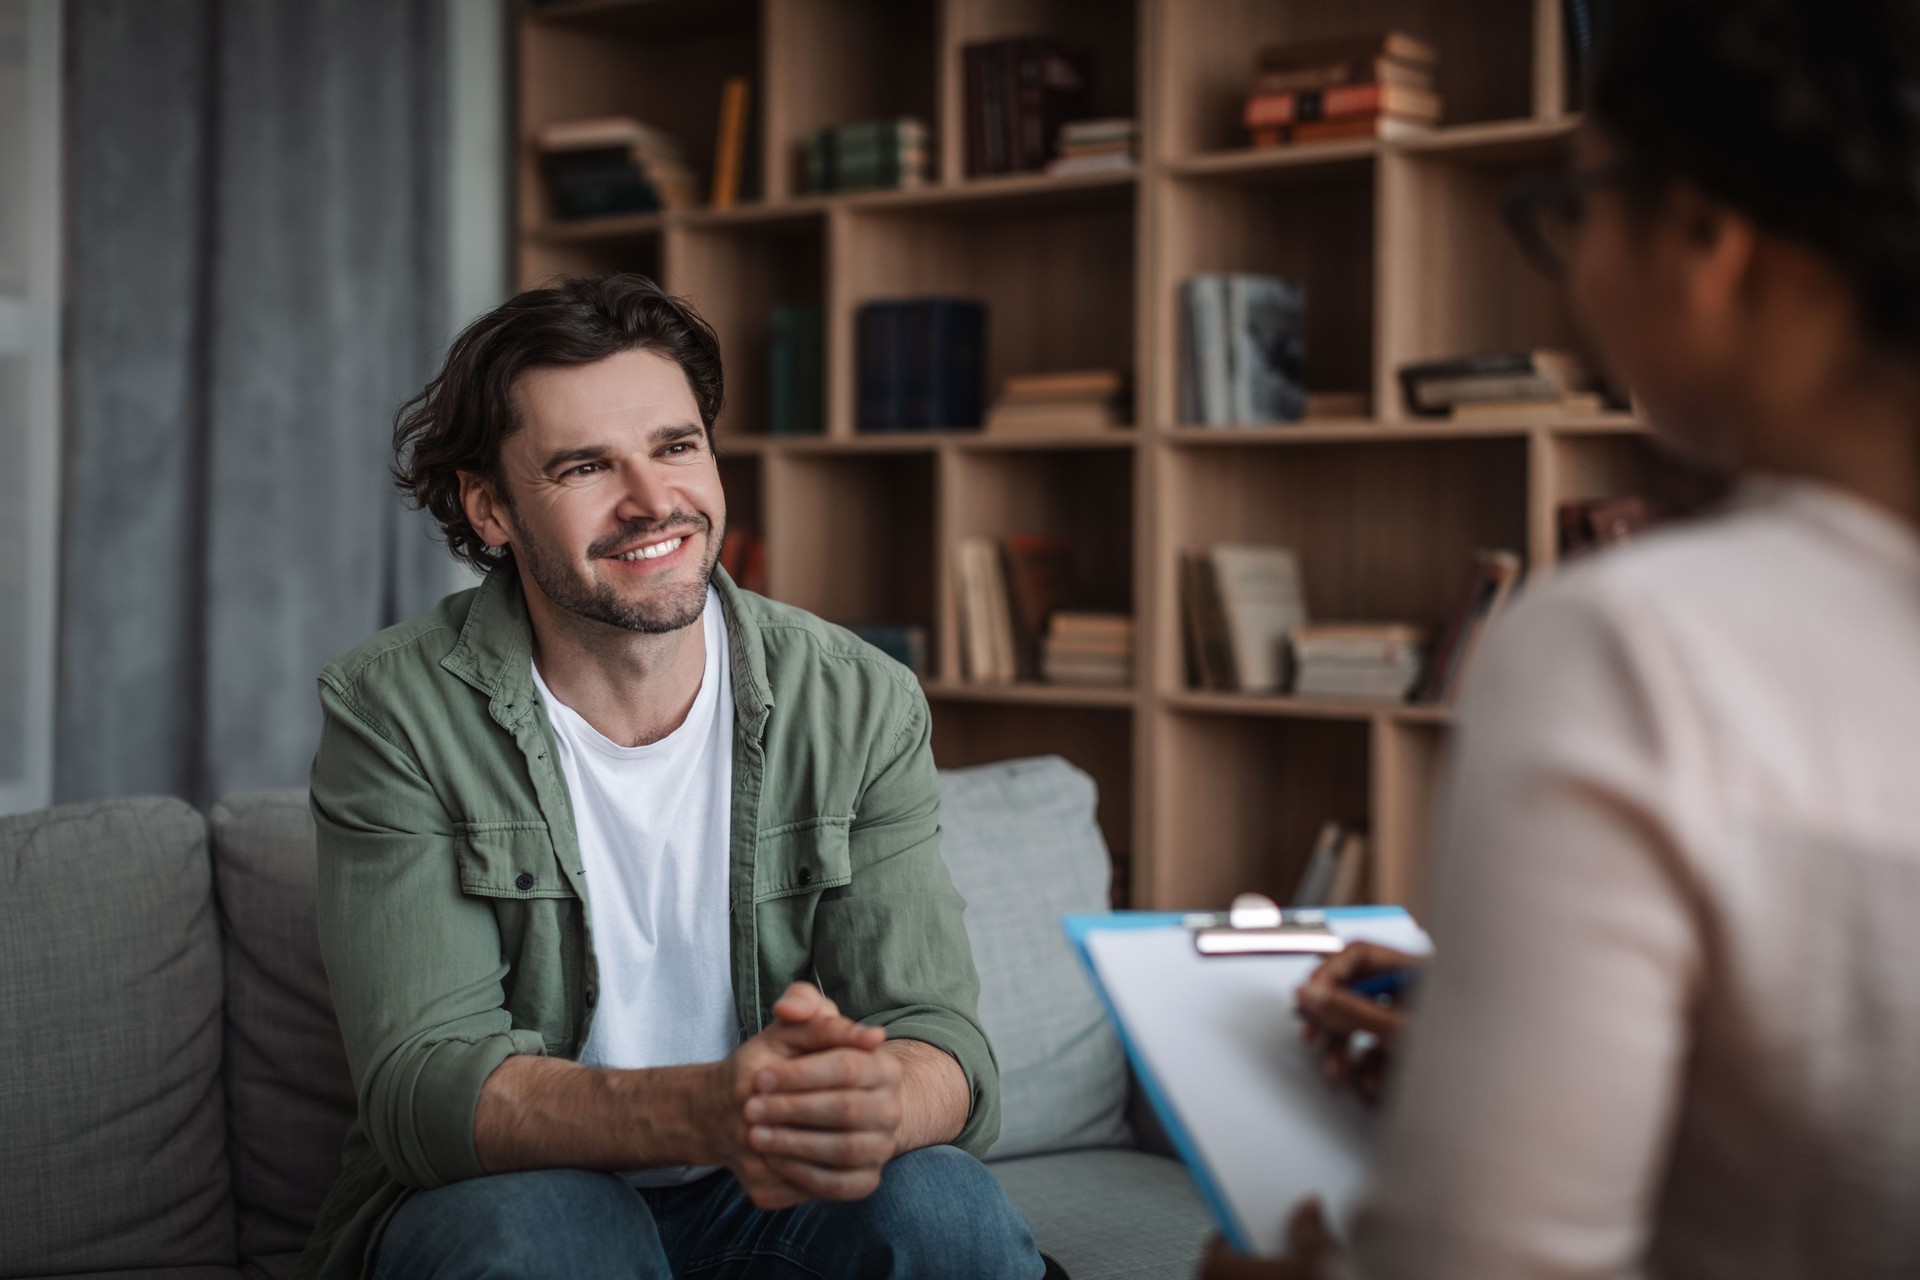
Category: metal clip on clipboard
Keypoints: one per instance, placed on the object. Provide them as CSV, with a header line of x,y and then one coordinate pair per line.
x,y
1256,926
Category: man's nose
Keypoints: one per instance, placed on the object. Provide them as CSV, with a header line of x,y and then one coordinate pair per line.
x,y
646,496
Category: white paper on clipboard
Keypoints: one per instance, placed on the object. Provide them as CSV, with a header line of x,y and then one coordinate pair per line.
x,y
1218,1039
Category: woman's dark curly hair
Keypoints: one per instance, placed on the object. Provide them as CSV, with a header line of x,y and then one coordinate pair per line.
x,y
1803,115
459,420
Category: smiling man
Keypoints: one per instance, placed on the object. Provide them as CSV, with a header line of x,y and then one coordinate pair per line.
x,y
630,887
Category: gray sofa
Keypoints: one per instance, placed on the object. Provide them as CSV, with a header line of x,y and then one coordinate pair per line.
x,y
174,1091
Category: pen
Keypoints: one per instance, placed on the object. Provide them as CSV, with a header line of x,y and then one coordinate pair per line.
x,y
1382,986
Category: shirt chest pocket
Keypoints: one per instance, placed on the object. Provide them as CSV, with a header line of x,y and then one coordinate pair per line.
x,y
802,857
510,860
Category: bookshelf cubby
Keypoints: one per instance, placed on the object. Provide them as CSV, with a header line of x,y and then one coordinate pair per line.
x,y
1400,247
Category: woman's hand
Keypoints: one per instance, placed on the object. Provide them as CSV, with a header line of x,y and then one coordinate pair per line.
x,y
1332,1015
1309,1245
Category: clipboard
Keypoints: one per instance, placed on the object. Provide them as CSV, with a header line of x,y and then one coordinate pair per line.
x,y
1214,1043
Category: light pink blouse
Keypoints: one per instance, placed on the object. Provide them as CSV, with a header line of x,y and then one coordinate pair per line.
x,y
1674,1025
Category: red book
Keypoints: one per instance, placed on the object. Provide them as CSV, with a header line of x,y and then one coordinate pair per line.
x,y
1271,110
1039,581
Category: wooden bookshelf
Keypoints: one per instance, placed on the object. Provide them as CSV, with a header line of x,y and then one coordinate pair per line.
x,y
1404,258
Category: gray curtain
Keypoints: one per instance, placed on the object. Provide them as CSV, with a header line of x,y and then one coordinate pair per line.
x,y
255,280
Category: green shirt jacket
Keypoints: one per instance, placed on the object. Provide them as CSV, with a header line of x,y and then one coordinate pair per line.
x,y
453,905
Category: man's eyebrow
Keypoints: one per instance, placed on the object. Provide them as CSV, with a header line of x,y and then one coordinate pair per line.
x,y
683,431
585,453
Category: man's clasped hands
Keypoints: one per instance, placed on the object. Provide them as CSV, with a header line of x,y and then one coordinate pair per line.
x,y
810,1108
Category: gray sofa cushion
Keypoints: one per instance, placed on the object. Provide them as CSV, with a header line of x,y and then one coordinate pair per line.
x,y
287,1081
1110,1215
1023,848
113,1137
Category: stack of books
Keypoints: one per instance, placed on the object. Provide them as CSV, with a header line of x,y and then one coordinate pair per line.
x,y
1243,350
1095,146
1088,648
1017,601
794,361
1380,660
1090,400
1515,386
1019,92
1336,870
920,364
1495,575
606,165
1378,86
876,155
1240,604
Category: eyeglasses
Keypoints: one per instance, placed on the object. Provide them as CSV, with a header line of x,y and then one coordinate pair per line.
x,y
1545,212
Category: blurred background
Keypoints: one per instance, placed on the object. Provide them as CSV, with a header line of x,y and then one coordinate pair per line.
x,y
1158,379
233,237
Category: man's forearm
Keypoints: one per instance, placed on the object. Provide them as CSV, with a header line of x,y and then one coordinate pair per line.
x,y
547,1113
934,1099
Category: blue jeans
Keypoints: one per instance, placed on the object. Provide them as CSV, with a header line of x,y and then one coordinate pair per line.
x,y
938,1213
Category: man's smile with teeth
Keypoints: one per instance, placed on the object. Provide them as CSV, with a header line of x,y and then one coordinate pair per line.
x,y
654,551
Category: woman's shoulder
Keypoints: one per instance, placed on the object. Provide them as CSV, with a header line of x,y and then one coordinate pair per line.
x,y
1772,556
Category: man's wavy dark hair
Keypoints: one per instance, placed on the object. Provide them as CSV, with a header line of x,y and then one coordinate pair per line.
x,y
457,423
1804,115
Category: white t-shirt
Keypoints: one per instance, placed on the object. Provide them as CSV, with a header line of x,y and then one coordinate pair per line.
x,y
653,825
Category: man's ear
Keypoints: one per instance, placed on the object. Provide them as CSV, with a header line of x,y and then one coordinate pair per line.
x,y
485,511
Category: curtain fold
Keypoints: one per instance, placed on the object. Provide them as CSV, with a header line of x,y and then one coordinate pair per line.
x,y
255,281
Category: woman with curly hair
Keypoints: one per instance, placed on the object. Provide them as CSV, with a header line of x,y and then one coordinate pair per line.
x,y
1673,1028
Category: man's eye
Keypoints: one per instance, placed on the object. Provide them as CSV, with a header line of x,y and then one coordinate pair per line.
x,y
582,469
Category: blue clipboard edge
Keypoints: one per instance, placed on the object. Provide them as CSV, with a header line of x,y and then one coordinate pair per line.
x,y
1078,928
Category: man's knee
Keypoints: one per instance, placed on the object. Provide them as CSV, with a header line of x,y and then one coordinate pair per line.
x,y
945,1214
520,1226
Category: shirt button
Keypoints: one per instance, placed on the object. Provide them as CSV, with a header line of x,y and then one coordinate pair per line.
x,y
806,876
593,998
523,882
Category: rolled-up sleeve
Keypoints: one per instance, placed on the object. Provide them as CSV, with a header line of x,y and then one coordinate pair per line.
x,y
892,945
415,966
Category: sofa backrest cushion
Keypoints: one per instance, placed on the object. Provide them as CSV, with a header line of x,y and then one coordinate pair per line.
x,y
287,1080
113,1136
1023,848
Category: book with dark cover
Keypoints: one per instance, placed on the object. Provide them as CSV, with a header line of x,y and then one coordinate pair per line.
x,y
1040,580
1019,92
921,364
597,183
1266,327
1433,387
973,66
794,359
995,108
906,645
881,358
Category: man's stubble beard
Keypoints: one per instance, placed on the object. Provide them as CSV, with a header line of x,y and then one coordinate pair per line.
x,y
596,601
